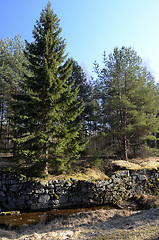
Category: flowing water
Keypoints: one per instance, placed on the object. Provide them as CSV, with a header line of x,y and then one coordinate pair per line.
x,y
19,219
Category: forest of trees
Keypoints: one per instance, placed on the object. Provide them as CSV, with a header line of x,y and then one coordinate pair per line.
x,y
50,113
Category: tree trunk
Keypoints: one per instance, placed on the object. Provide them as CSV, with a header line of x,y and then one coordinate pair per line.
x,y
125,149
2,115
46,170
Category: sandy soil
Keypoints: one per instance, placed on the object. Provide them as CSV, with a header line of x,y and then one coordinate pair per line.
x,y
99,224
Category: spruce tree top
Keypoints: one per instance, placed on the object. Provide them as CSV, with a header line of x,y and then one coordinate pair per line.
x,y
47,52
49,125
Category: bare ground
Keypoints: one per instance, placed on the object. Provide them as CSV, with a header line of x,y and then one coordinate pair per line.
x,y
99,224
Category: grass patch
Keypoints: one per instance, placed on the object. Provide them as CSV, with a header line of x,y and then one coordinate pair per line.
x,y
95,225
151,165
87,174
136,164
147,201
126,165
140,233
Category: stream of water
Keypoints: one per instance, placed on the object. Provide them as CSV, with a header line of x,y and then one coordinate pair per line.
x,y
19,219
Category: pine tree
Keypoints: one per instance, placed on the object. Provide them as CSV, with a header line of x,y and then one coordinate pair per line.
x,y
129,99
48,131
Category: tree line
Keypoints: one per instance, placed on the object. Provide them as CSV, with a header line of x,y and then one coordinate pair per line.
x,y
50,113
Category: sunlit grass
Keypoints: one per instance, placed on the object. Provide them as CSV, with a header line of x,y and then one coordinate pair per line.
x,y
138,163
141,233
122,164
87,174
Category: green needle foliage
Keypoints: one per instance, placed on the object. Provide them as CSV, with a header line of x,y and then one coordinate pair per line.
x,y
129,100
48,130
79,79
11,75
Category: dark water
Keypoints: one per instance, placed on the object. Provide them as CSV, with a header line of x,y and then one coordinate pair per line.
x,y
19,219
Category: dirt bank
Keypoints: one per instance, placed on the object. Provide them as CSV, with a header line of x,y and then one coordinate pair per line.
x,y
99,224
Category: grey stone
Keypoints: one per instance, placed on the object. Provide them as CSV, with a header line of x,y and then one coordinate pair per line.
x,y
34,198
39,191
15,188
34,207
63,199
43,198
84,189
110,185
142,177
76,200
2,196
43,206
56,202
14,181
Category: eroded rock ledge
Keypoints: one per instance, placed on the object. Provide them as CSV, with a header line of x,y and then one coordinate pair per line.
x,y
17,193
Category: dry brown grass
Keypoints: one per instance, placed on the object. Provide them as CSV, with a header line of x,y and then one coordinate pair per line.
x,y
147,201
87,174
137,163
122,164
99,224
150,162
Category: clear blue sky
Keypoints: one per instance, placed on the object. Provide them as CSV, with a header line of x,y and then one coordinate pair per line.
x,y
91,26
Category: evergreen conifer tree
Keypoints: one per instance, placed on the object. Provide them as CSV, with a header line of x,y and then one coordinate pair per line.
x,y
11,76
79,79
129,99
48,132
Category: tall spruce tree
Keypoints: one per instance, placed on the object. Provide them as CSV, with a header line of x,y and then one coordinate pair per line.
x,y
48,132
129,99
79,79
